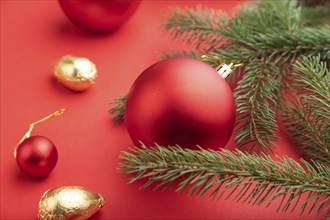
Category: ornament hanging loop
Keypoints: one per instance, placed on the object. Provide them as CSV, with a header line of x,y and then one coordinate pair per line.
x,y
28,133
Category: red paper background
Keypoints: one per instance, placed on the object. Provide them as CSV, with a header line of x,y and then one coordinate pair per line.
x,y
35,33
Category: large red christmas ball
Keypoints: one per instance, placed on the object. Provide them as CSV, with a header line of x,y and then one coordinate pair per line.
x,y
180,101
36,156
99,15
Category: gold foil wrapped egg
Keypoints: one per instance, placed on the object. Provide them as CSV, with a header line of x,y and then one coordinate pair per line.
x,y
69,202
76,73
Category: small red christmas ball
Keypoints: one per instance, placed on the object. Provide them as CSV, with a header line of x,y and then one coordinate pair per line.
x,y
36,156
99,15
180,101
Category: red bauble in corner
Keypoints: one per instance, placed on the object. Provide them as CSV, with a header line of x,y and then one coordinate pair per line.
x,y
99,15
180,101
36,156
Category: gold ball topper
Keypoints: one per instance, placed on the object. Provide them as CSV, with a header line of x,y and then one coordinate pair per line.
x,y
76,73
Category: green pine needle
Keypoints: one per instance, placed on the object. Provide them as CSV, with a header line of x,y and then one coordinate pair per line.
x,y
266,37
119,110
241,176
307,115
199,28
255,101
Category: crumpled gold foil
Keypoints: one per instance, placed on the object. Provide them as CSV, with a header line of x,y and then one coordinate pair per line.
x,y
76,73
69,202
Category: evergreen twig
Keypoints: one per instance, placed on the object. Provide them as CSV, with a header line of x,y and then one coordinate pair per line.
x,y
307,115
255,102
244,177
266,37
119,110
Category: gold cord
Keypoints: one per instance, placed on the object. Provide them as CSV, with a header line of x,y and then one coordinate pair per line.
x,y
28,133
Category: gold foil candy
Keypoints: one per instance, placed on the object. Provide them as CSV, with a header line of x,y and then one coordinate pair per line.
x,y
69,202
76,73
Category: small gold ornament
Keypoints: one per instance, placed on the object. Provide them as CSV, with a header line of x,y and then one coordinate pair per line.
x,y
69,202
76,73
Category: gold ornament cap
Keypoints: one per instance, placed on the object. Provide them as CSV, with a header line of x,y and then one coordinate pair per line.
x,y
69,202
76,73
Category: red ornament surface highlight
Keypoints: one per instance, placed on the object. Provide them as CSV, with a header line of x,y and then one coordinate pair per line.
x,y
99,15
36,156
180,101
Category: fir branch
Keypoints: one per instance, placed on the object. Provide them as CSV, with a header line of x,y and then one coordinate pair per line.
x,y
119,110
307,115
187,54
316,15
283,49
263,25
244,177
256,97
273,33
200,30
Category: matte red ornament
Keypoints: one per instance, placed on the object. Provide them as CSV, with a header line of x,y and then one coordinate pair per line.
x,y
180,101
99,15
36,156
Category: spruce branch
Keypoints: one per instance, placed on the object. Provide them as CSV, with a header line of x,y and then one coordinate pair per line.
x,y
307,116
200,31
119,110
255,101
262,25
187,54
241,176
273,33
